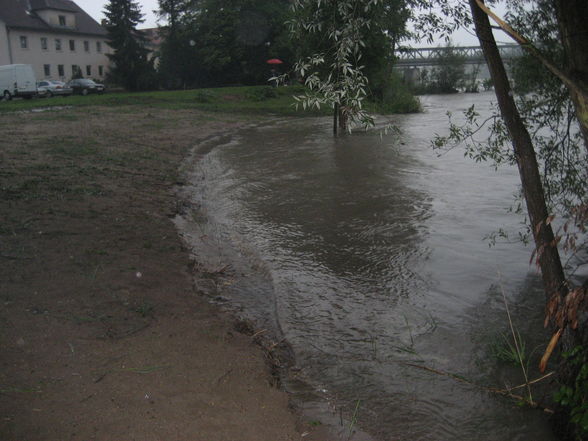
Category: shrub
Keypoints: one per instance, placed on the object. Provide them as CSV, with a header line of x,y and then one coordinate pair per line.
x,y
574,396
261,93
204,96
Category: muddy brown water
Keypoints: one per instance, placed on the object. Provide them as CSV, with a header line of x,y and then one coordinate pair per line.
x,y
367,254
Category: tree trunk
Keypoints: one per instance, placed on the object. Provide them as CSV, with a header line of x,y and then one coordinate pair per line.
x,y
551,269
335,121
572,16
547,252
342,119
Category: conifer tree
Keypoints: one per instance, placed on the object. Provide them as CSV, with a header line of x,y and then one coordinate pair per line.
x,y
172,57
131,67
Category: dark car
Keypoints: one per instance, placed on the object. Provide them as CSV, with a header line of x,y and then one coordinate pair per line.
x,y
84,86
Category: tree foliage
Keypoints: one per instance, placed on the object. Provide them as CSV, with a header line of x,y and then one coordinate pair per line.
x,y
448,76
214,42
171,57
347,52
549,110
131,66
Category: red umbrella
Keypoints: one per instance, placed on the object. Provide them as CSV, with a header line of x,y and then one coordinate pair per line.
x,y
274,61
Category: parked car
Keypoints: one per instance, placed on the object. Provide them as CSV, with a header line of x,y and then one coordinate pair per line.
x,y
84,86
50,88
17,80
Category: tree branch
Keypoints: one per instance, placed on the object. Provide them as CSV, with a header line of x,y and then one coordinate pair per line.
x,y
528,46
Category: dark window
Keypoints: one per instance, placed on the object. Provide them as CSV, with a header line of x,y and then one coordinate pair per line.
x,y
88,70
98,46
47,69
75,70
72,45
101,71
62,21
61,70
87,46
44,45
57,44
24,43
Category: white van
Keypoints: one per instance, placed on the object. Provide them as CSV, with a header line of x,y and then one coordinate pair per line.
x,y
17,80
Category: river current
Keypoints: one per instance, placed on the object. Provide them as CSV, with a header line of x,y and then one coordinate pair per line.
x,y
367,254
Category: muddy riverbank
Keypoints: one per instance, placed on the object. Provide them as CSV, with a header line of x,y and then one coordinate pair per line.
x,y
103,334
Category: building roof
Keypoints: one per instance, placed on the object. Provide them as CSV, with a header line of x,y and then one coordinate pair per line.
x,y
153,36
21,14
60,5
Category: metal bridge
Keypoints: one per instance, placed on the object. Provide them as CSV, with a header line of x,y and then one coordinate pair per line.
x,y
433,56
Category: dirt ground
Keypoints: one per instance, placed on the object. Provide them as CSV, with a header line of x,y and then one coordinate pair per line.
x,y
102,334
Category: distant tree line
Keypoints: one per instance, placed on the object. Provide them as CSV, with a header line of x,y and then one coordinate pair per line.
x,y
449,76
205,43
209,43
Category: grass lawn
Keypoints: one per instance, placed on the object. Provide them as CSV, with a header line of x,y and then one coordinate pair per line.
x,y
245,100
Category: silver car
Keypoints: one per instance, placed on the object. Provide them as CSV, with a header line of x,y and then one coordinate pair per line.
x,y
50,88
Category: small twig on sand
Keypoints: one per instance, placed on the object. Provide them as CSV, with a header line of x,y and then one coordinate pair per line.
x,y
6,256
259,333
223,376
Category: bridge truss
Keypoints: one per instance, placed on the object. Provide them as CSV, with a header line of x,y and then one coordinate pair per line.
x,y
434,56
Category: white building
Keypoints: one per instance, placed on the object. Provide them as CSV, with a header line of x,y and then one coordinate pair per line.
x,y
56,37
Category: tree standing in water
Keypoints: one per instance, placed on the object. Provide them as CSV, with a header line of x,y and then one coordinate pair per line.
x,y
344,45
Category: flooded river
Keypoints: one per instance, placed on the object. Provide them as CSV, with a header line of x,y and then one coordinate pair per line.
x,y
367,254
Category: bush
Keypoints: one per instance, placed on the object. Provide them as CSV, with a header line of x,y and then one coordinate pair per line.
x,y
573,397
204,96
261,93
397,98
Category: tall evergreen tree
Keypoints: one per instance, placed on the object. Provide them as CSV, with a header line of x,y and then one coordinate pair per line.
x,y
172,61
131,67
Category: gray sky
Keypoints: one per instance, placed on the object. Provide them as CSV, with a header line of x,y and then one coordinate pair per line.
x,y
95,7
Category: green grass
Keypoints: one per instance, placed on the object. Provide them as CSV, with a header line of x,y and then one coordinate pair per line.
x,y
245,100
248,100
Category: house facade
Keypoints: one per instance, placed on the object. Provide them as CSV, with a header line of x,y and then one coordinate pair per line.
x,y
56,37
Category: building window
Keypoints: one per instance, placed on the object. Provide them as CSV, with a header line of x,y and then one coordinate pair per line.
x,y
101,71
87,46
57,44
61,70
24,43
88,70
98,46
47,69
72,45
44,44
62,21
75,71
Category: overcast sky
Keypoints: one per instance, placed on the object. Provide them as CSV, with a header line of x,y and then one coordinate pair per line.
x,y
95,7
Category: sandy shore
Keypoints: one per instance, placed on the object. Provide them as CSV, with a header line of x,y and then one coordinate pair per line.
x,y
103,335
